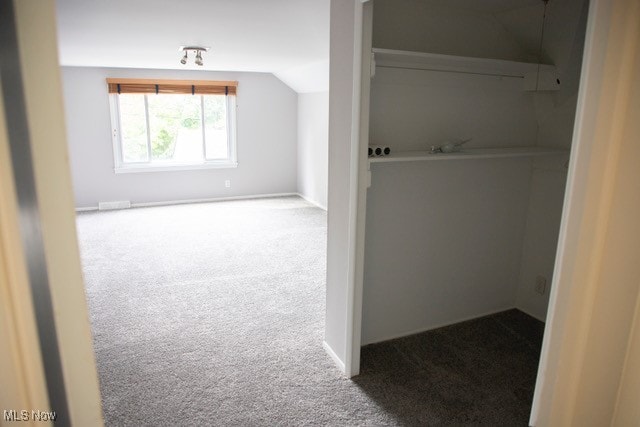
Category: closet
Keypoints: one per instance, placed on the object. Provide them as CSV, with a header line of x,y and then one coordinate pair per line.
x,y
458,235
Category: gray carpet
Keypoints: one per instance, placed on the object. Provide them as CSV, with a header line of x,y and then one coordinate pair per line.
x,y
479,372
213,314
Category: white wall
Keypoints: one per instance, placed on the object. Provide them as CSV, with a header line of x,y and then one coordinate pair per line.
x,y
266,141
443,242
414,109
555,113
546,196
313,146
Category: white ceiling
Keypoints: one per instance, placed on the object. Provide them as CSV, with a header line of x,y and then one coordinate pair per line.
x,y
289,38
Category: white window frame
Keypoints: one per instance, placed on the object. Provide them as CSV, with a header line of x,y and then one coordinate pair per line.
x,y
120,166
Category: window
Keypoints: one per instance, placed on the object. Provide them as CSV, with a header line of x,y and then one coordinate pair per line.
x,y
172,124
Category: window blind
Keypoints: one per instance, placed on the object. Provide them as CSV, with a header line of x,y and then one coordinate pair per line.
x,y
194,87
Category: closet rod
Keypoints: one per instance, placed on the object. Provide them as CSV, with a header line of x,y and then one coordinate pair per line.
x,y
449,71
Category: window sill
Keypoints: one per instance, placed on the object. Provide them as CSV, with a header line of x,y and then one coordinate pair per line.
x,y
171,168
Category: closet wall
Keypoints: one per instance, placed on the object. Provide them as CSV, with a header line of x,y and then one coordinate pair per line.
x,y
453,239
555,113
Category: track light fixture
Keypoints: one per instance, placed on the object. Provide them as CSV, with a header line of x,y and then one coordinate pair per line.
x,y
197,50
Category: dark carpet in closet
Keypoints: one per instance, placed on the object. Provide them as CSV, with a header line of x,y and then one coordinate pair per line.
x,y
479,372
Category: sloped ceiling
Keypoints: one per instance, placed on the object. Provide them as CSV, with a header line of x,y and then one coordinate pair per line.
x,y
500,29
525,25
289,38
561,21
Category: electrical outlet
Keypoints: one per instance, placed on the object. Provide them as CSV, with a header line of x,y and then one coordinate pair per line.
x,y
541,285
227,183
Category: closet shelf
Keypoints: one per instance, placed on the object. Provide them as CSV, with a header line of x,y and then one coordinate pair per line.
x,y
468,154
461,64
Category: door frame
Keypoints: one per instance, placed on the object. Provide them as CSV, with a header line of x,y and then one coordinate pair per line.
x,y
45,277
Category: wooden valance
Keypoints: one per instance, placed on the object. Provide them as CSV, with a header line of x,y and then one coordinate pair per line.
x,y
194,87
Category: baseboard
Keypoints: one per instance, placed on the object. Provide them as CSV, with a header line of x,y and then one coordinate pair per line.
x,y
313,202
334,356
205,200
528,313
213,199
114,206
87,209
438,325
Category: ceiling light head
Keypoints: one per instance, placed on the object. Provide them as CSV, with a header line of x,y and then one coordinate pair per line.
x,y
197,50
